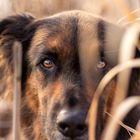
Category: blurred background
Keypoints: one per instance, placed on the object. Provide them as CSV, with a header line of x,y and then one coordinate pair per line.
x,y
113,10
117,11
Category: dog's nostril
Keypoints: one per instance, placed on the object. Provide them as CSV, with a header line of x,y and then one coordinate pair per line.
x,y
82,127
63,126
72,130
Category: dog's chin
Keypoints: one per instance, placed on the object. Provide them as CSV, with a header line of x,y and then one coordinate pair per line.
x,y
58,136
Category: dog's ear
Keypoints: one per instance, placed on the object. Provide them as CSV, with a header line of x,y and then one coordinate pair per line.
x,y
15,26
12,28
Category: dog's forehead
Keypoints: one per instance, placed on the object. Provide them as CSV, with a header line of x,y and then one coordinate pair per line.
x,y
69,31
65,27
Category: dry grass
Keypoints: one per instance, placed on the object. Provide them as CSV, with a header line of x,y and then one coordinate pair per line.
x,y
110,9
120,107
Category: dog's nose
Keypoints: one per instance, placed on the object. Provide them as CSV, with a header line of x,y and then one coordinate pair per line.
x,y
71,124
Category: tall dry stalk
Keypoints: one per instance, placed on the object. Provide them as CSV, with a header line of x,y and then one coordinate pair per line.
x,y
17,53
99,92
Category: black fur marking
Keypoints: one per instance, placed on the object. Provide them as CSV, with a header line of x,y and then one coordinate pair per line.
x,y
101,36
74,42
74,33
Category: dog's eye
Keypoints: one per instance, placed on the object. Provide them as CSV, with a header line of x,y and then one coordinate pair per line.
x,y
101,64
48,64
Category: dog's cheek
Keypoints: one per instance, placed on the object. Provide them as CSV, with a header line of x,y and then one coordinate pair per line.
x,y
47,110
50,98
50,104
32,92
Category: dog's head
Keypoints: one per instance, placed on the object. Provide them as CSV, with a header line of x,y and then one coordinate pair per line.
x,y
56,95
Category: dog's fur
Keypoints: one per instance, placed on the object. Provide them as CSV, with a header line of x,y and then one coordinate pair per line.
x,y
46,91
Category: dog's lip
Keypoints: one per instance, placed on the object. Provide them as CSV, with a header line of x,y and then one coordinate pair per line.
x,y
83,137
62,137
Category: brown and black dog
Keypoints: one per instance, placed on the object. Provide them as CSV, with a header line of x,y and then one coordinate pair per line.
x,y
55,100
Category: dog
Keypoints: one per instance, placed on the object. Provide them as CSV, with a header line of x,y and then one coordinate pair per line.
x,y
57,88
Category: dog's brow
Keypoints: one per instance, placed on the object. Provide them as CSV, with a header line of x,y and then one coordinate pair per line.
x,y
42,53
